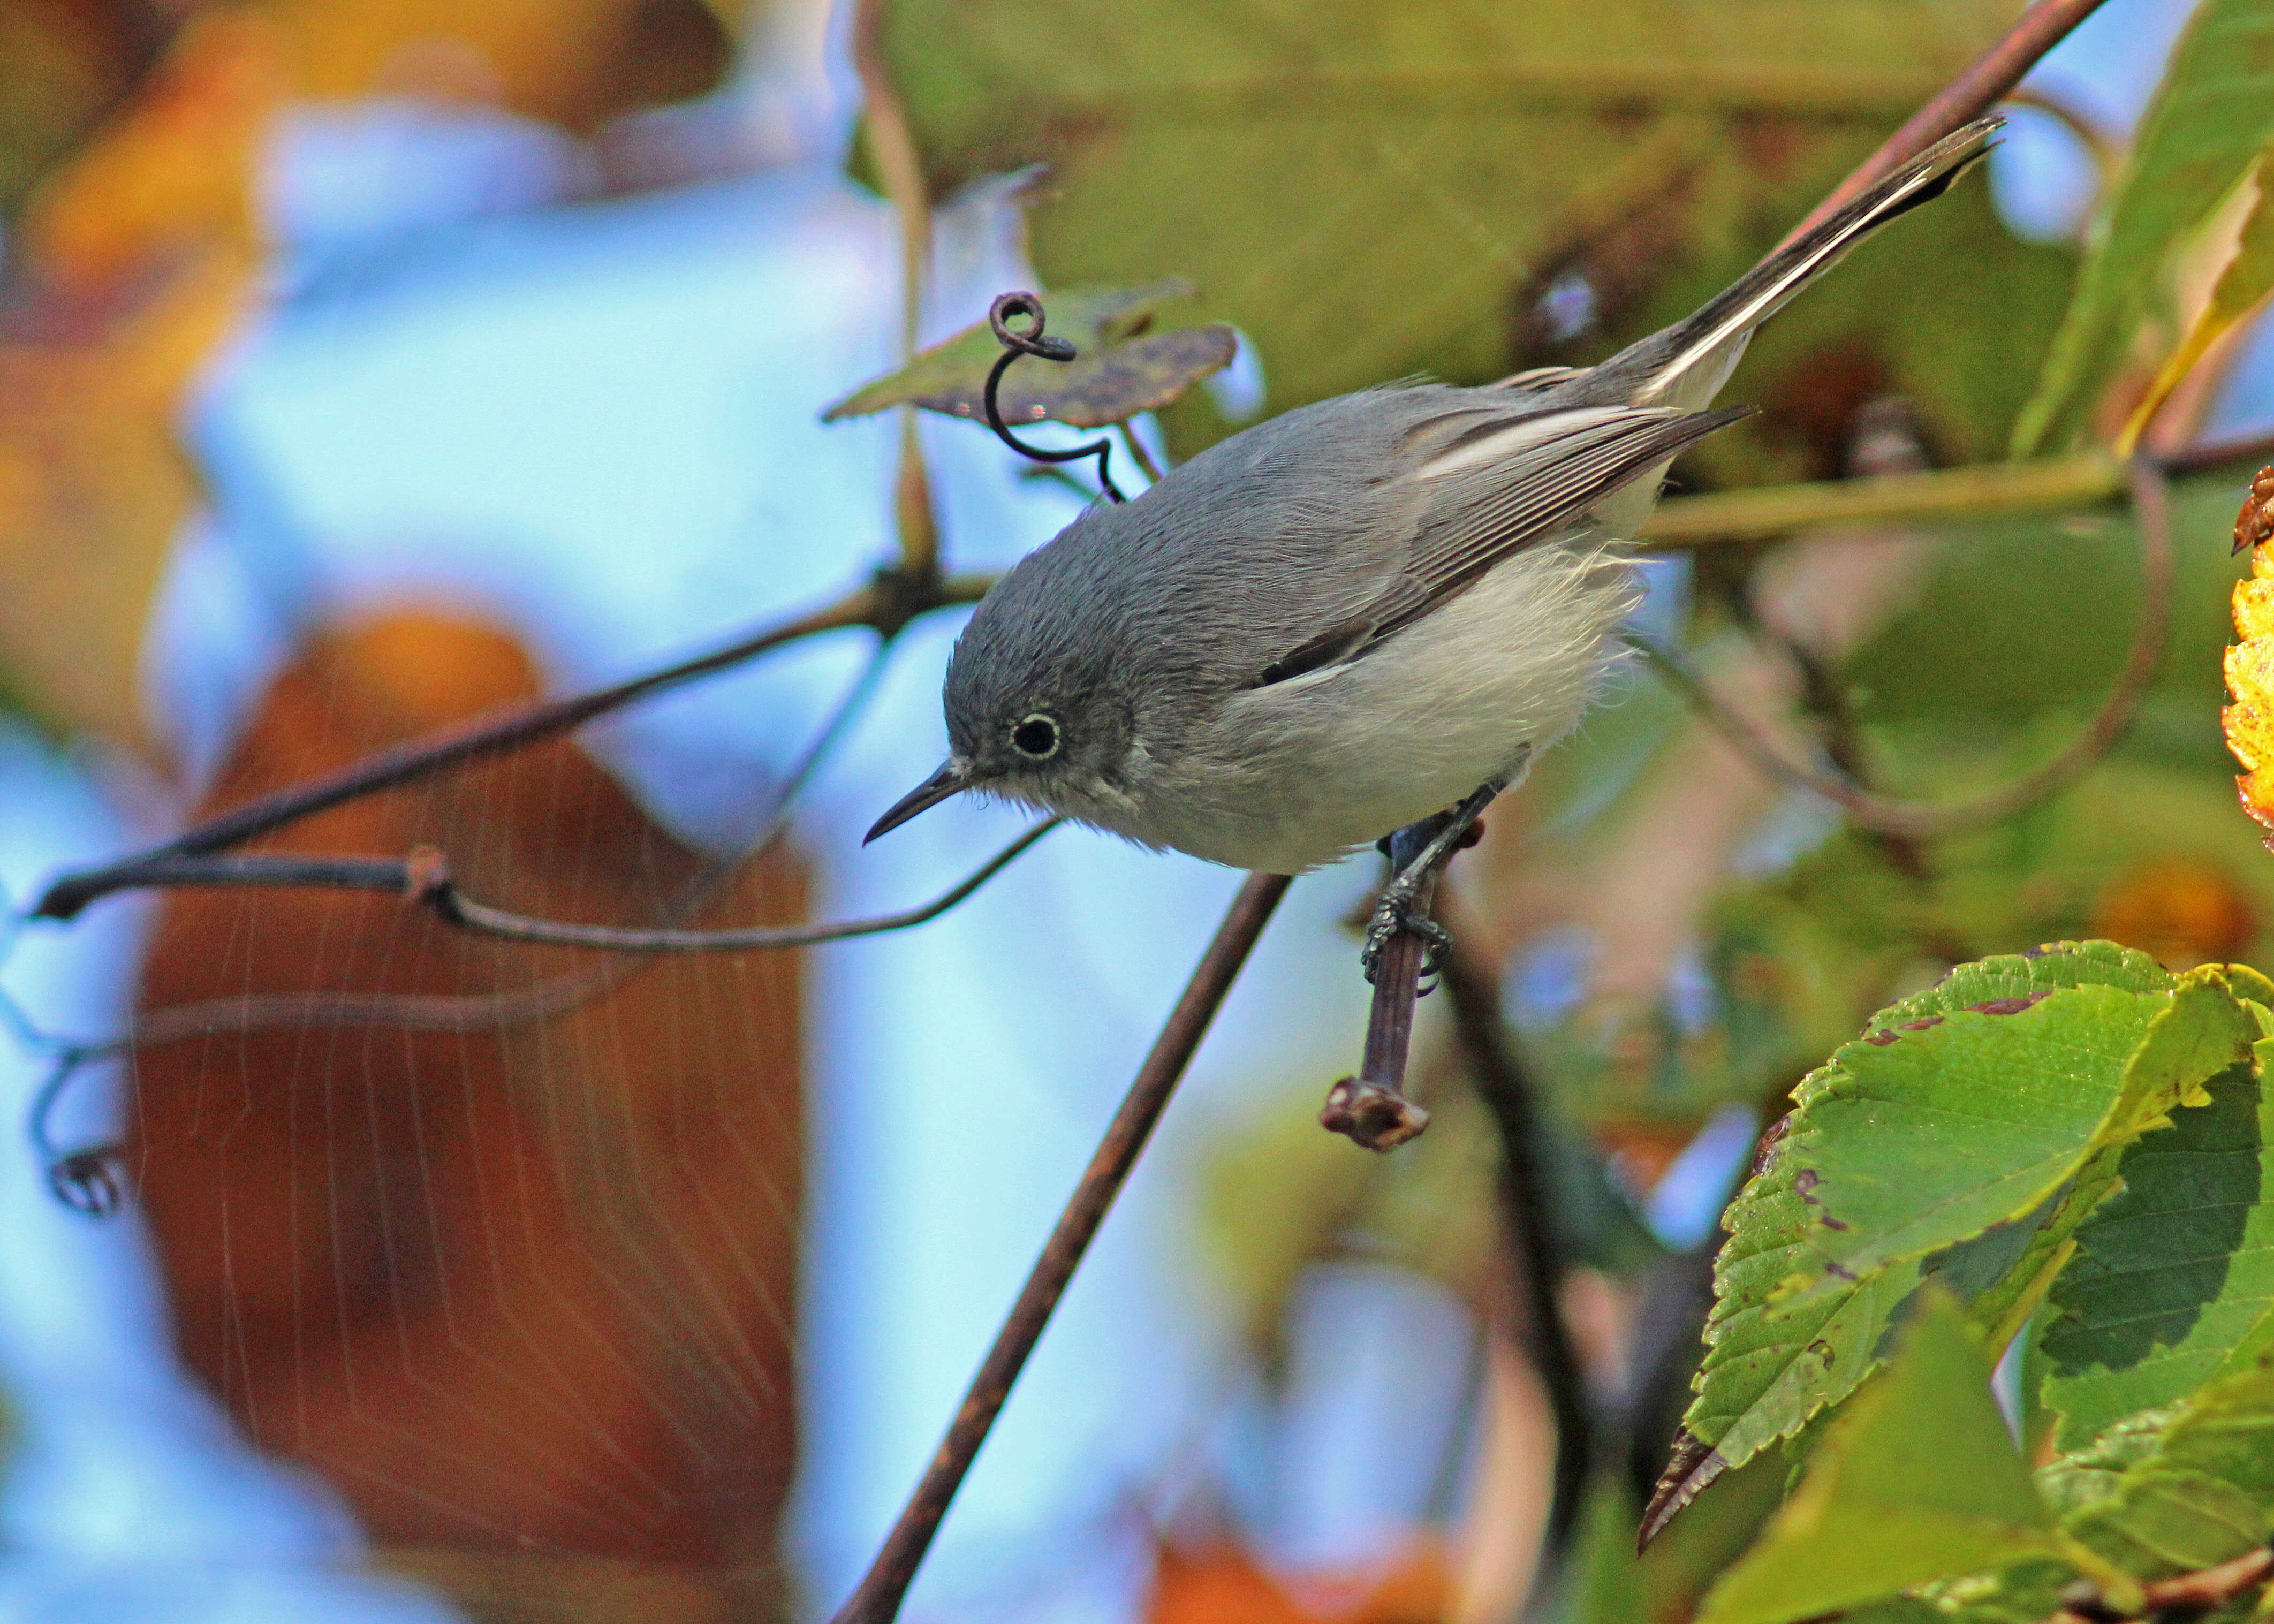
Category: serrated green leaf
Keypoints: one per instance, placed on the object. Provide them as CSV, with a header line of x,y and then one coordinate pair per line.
x,y
1921,1138
1118,369
2160,1492
2173,1283
1918,1481
2174,1490
2210,119
1930,1152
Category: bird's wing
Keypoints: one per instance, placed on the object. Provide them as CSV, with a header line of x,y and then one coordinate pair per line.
x,y
1491,485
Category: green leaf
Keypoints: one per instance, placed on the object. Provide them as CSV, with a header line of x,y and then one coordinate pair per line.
x,y
2241,289
2212,117
1968,1147
2027,1094
1120,368
2173,1283
2171,1491
1364,189
1918,1481
2023,1592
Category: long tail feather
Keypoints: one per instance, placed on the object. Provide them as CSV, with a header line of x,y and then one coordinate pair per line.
x,y
1686,364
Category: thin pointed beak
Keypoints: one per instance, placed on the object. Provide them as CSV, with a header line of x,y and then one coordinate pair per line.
x,y
948,781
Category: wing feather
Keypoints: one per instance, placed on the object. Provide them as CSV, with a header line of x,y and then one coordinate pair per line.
x,y
1510,483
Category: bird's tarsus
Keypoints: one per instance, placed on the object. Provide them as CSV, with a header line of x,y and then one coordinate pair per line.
x,y
1438,839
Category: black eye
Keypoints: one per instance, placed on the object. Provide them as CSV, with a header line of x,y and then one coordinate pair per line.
x,y
1037,738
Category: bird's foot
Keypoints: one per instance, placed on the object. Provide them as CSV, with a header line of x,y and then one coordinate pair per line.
x,y
1422,851
1396,915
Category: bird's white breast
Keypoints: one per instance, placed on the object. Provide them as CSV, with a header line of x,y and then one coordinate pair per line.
x,y
1297,773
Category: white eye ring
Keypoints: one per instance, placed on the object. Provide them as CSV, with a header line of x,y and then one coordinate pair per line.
x,y
1024,736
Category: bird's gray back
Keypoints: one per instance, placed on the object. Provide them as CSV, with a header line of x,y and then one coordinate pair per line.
x,y
1233,559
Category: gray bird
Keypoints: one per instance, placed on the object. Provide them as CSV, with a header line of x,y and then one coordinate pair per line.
x,y
1354,616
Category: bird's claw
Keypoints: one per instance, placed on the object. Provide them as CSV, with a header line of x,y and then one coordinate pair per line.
x,y
1396,915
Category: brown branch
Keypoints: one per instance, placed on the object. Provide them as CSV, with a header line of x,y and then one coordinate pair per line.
x,y
2105,149
878,1598
539,1001
1887,816
885,606
1499,1077
2207,456
432,884
424,876
1372,1109
899,171
2172,1601
1973,92
892,143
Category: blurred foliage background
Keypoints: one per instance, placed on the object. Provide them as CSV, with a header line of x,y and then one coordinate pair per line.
x,y
546,1429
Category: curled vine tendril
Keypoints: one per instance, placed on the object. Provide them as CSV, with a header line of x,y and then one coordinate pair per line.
x,y
1030,342
85,1180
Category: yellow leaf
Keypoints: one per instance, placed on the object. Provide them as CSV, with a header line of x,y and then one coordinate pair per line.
x,y
2249,720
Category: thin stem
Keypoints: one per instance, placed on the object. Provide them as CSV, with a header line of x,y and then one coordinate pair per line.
x,y
1983,84
1372,1109
434,887
892,142
542,1000
885,606
424,877
2104,148
881,1590
2206,455
1537,1264
1983,491
1988,490
1885,815
1140,455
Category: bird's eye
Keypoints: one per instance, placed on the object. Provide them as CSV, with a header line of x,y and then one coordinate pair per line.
x,y
1035,738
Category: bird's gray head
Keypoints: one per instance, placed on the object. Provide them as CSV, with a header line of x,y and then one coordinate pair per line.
x,y
1034,711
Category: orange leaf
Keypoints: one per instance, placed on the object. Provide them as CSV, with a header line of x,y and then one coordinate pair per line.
x,y
144,252
138,259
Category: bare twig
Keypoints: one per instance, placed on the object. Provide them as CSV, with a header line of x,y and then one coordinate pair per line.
x,y
2182,1597
900,170
433,885
497,1011
2104,148
877,1599
1537,1262
2206,455
1885,815
1140,455
885,605
424,876
1372,1109
87,1179
1982,491
1966,98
